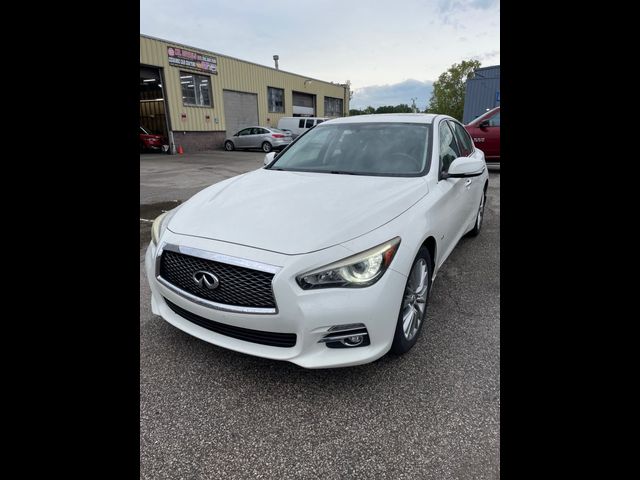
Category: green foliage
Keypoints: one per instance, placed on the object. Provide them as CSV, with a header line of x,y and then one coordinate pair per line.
x,y
449,90
402,108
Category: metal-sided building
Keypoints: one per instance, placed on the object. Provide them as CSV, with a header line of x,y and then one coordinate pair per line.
x,y
195,97
483,92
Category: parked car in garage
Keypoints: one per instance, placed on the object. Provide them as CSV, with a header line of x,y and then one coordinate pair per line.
x,y
325,257
152,142
265,138
485,131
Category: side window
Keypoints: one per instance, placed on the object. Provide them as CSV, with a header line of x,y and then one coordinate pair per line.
x,y
246,131
448,147
495,120
463,138
262,131
309,122
301,124
319,122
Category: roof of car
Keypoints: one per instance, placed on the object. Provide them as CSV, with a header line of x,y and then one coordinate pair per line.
x,y
387,117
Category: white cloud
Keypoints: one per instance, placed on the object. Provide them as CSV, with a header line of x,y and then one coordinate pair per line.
x,y
395,94
369,42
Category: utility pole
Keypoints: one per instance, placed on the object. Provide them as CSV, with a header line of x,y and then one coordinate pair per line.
x,y
413,104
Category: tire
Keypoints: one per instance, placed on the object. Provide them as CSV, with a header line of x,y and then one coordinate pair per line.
x,y
266,147
479,216
228,146
414,295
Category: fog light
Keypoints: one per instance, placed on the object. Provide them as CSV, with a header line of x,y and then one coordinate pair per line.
x,y
349,335
353,341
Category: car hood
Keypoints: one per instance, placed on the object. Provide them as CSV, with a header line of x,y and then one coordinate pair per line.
x,y
295,212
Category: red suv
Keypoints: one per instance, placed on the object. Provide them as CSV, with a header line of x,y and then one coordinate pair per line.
x,y
485,131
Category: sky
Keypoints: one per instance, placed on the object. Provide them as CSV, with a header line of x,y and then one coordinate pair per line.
x,y
390,50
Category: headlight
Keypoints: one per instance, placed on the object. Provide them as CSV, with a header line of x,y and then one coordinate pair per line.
x,y
160,223
357,271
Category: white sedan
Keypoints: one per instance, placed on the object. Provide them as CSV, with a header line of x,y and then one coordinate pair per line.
x,y
325,257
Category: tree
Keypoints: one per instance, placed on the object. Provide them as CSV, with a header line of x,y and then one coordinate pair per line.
x,y
402,108
449,90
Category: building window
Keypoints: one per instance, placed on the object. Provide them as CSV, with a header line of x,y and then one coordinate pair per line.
x,y
196,89
275,97
332,107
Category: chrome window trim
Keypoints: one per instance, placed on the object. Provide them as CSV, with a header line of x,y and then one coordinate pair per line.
x,y
221,258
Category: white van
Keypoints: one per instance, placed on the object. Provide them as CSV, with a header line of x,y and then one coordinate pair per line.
x,y
298,125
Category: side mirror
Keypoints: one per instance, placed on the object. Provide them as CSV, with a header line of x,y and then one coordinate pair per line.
x,y
483,124
463,167
268,158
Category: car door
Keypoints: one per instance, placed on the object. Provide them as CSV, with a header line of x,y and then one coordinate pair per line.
x,y
263,134
449,212
253,139
242,139
473,186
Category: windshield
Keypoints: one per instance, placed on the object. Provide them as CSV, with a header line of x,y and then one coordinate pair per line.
x,y
376,148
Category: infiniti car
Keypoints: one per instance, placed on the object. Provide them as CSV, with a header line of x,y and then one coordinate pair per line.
x,y
325,256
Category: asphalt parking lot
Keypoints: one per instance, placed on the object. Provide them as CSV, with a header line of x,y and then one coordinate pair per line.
x,y
434,413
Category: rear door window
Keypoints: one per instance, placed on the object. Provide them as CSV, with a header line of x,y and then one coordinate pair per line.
x,y
309,122
301,124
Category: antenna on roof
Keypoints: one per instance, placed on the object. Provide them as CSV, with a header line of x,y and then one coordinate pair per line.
x,y
276,58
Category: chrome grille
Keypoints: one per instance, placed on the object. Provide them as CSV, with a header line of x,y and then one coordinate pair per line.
x,y
239,286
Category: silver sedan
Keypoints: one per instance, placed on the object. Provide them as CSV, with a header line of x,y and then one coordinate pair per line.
x,y
265,138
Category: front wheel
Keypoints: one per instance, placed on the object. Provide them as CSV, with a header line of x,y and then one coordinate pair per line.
x,y
266,147
413,308
228,146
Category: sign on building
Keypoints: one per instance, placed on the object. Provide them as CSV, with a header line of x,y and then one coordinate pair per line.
x,y
179,57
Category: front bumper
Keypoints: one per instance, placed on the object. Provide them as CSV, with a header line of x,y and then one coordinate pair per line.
x,y
159,147
309,314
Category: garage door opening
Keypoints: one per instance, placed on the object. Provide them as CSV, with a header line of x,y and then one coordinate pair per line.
x,y
153,108
304,104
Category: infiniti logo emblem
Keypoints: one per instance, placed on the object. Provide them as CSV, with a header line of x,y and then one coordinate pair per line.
x,y
206,279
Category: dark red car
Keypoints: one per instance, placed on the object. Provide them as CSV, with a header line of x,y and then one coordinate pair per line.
x,y
485,131
150,141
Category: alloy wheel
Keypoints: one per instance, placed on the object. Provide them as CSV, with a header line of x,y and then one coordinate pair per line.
x,y
414,302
